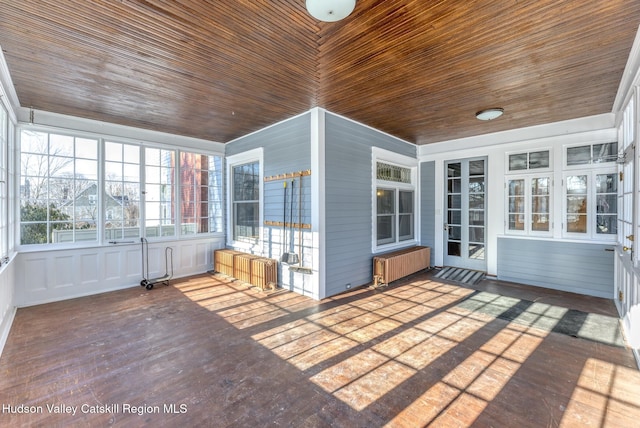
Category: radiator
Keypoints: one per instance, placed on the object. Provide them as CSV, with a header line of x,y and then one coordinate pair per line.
x,y
223,261
242,266
264,273
398,264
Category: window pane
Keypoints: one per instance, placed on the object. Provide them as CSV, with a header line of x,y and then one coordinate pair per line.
x,y
577,184
122,192
246,217
577,214
606,183
454,170
386,201
606,204
246,182
607,152
578,155
406,202
201,200
540,222
607,224
406,227
539,159
517,162
516,222
385,229
58,192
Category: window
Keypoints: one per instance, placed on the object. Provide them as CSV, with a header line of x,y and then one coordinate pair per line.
x,y
4,208
200,193
592,154
121,191
58,174
245,189
64,201
159,195
529,160
591,199
529,205
246,201
394,207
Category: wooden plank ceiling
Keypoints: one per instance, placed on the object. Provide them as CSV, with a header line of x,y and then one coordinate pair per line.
x,y
416,69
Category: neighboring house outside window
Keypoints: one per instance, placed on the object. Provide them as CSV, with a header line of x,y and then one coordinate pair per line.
x,y
122,183
63,200
200,193
55,170
394,207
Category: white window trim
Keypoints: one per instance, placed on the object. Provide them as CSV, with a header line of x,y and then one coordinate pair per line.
x,y
591,234
587,166
528,205
386,156
528,170
255,155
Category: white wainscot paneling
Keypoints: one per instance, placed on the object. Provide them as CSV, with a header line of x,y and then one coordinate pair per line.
x,y
47,276
89,269
63,272
35,272
112,267
7,308
187,253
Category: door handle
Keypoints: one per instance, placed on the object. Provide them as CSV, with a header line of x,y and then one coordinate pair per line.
x,y
446,226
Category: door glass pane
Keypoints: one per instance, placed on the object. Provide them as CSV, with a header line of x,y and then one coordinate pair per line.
x,y
476,207
455,233
476,251
476,234
476,201
454,170
453,248
476,168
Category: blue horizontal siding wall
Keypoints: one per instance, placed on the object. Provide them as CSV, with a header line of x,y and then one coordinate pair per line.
x,y
287,148
584,268
428,206
348,188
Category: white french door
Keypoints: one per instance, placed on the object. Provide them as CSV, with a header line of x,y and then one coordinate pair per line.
x,y
465,209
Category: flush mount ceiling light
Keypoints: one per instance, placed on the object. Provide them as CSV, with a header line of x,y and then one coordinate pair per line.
x,y
330,10
490,113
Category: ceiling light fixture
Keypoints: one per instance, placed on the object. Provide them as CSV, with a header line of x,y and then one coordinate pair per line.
x,y
490,113
330,10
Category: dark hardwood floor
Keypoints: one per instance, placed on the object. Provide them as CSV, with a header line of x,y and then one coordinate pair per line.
x,y
208,351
